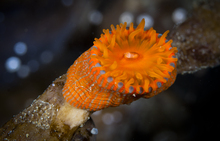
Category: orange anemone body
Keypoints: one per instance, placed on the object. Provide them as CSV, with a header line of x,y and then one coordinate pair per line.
x,y
123,65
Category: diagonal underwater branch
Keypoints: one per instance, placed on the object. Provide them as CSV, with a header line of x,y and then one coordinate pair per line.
x,y
49,117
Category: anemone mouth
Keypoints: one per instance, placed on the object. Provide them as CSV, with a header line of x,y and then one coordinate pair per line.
x,y
134,60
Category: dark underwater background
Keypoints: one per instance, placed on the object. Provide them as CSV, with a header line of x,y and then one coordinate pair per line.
x,y
44,37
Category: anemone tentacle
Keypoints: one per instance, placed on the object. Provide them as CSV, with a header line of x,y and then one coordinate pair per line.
x,y
122,62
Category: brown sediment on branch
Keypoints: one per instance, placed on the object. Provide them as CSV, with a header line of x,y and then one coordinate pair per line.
x,y
197,39
49,117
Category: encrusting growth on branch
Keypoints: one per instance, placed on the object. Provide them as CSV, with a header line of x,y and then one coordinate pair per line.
x,y
49,117
99,79
197,39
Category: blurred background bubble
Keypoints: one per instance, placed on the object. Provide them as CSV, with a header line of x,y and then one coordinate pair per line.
x,y
40,39
12,64
95,17
149,22
20,48
126,17
179,15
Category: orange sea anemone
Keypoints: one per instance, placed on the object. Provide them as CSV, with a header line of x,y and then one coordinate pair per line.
x,y
123,65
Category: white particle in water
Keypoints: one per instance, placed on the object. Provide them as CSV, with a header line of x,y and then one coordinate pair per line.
x,y
81,125
94,131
